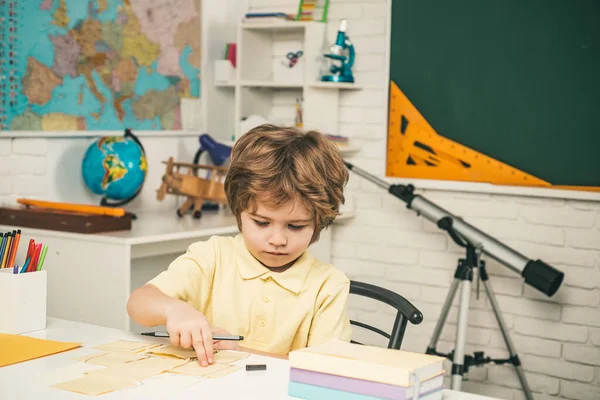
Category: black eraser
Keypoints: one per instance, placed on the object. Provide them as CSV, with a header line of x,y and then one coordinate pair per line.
x,y
256,367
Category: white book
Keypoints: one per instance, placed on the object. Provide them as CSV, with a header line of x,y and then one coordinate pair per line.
x,y
376,364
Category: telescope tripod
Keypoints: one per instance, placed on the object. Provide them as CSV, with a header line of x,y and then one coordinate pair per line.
x,y
461,363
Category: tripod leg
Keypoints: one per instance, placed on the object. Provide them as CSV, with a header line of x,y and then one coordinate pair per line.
x,y
509,344
443,315
461,334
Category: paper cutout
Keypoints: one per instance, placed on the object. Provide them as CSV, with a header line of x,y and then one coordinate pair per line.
x,y
162,387
126,345
193,368
224,372
63,374
228,357
142,369
110,359
16,348
174,351
94,384
127,363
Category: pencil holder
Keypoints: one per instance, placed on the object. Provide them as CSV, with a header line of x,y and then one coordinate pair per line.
x,y
22,301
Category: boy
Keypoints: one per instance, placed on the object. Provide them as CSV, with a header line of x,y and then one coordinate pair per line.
x,y
284,186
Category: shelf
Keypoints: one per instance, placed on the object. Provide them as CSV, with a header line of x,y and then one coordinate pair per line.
x,y
230,84
335,85
349,149
268,84
277,25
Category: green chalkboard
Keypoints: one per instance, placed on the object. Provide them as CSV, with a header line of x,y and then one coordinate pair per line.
x,y
517,80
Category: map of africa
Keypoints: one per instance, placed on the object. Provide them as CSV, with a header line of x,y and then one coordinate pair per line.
x,y
107,64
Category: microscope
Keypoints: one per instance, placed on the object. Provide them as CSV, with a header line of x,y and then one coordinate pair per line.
x,y
342,72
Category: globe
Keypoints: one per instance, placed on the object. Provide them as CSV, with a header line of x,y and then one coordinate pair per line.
x,y
115,167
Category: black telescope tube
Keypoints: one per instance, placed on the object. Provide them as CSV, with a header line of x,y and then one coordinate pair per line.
x,y
543,277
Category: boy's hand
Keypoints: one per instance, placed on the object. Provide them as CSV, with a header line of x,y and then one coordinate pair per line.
x,y
224,344
188,328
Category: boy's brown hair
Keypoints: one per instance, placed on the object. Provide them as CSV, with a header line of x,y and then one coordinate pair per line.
x,y
274,165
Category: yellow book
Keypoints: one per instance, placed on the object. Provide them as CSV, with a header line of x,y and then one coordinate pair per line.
x,y
376,364
17,348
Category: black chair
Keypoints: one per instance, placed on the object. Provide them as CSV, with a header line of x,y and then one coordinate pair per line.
x,y
405,311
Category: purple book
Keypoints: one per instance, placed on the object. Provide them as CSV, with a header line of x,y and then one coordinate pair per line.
x,y
368,388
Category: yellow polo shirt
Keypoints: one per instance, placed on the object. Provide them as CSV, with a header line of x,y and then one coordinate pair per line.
x,y
276,312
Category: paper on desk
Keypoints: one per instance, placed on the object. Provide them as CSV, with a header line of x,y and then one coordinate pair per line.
x,y
17,348
212,371
141,369
193,368
223,372
109,359
63,374
94,384
228,357
163,386
126,345
174,351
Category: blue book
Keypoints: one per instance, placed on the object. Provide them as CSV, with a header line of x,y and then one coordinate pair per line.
x,y
310,392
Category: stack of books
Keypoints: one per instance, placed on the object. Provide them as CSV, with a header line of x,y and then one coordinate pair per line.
x,y
339,370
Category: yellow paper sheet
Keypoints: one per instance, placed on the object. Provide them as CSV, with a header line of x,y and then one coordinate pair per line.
x,y
94,385
110,359
228,357
17,348
161,387
126,345
194,369
174,351
225,371
141,369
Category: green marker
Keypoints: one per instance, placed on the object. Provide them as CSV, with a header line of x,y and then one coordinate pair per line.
x,y
42,258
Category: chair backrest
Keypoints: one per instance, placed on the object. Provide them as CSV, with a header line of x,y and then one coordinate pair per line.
x,y
405,311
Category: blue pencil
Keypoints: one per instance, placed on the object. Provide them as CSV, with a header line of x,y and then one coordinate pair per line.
x,y
16,269
3,246
25,266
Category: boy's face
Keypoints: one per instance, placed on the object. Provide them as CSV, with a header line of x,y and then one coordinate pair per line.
x,y
277,237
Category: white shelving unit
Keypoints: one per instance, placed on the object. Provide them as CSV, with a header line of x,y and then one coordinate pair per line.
x,y
262,79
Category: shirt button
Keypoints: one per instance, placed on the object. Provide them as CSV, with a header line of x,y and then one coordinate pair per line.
x,y
266,299
262,323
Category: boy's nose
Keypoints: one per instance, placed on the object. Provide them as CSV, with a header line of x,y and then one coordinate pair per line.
x,y
277,239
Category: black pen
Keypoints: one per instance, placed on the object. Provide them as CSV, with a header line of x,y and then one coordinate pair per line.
x,y
215,337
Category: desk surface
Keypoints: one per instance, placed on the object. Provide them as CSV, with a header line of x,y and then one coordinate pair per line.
x,y
32,379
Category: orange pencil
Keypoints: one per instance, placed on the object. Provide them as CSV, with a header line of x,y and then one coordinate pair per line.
x,y
79,208
15,247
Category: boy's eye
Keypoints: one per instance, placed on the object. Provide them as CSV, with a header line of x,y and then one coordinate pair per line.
x,y
261,223
296,227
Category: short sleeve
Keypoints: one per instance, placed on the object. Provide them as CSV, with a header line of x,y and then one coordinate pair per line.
x,y
331,319
189,277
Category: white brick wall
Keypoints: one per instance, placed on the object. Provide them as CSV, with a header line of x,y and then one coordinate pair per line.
x,y
558,339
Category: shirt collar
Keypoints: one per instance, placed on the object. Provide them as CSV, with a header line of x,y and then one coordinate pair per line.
x,y
250,268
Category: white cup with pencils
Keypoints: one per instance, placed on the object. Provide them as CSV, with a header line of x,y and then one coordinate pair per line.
x,y
23,290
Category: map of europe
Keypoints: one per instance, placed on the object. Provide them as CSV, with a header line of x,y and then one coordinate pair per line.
x,y
107,64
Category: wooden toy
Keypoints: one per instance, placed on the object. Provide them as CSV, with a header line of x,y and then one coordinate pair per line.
x,y
182,179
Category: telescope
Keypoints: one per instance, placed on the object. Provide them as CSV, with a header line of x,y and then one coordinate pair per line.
x,y
536,273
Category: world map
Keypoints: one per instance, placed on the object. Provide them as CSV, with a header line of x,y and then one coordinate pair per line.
x,y
107,64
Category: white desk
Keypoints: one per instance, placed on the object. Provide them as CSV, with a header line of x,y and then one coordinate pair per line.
x,y
32,379
90,276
